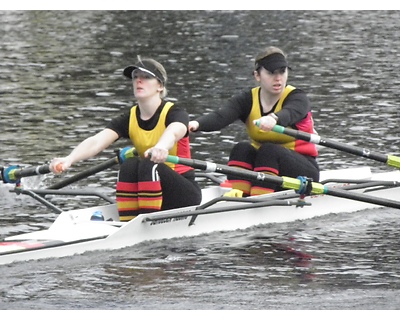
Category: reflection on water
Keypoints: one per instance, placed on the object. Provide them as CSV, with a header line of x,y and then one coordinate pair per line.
x,y
60,81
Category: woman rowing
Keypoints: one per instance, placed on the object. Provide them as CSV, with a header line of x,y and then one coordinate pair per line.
x,y
156,129
260,109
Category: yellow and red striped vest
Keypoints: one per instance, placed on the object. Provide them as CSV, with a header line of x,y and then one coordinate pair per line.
x,y
259,136
145,139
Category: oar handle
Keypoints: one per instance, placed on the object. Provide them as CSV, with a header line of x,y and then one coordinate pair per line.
x,y
390,160
13,174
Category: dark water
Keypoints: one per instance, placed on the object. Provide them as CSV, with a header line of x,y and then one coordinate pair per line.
x,y
60,81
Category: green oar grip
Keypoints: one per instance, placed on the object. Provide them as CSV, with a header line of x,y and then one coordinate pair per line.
x,y
278,129
173,159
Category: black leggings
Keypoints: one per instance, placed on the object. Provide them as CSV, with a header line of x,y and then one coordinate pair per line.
x,y
275,159
177,190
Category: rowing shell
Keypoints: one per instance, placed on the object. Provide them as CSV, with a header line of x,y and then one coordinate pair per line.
x,y
73,232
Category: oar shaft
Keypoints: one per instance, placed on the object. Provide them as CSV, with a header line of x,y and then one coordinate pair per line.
x,y
316,139
365,197
32,171
122,155
14,173
93,170
220,168
284,182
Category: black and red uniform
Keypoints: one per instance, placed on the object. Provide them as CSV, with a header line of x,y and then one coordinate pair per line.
x,y
267,152
144,186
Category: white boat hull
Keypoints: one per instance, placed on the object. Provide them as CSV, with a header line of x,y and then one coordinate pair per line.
x,y
74,233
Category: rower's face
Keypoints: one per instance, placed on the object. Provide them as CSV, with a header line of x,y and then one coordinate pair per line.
x,y
272,82
144,84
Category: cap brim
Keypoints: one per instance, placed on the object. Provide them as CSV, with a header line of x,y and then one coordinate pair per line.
x,y
128,71
273,62
275,66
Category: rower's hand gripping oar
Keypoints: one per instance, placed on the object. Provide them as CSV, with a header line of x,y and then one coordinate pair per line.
x,y
122,155
390,160
300,184
13,174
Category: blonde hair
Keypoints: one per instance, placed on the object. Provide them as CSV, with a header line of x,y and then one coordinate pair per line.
x,y
161,69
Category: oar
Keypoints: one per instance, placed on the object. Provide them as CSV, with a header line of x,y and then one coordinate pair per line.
x,y
314,138
84,174
285,182
122,155
13,174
